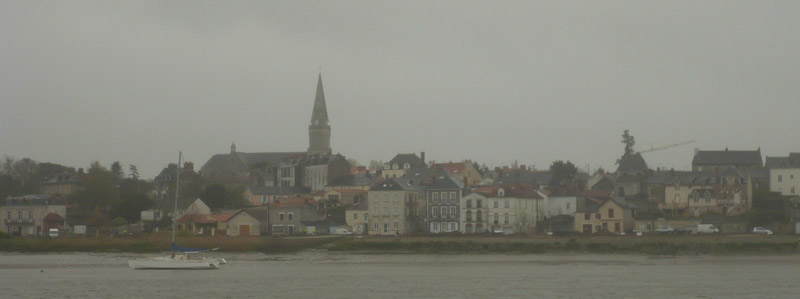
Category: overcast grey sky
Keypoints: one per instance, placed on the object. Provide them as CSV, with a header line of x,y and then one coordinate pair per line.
x,y
493,81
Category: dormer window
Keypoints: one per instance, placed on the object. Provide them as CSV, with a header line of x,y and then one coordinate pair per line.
x,y
501,192
395,166
407,166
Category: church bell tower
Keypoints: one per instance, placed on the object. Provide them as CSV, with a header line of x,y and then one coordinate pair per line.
x,y
319,132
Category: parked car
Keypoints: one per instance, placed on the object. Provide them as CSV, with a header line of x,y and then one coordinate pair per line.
x,y
342,231
683,231
53,233
761,231
665,230
707,229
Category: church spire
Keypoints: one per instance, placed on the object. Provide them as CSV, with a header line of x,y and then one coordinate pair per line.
x,y
320,114
319,132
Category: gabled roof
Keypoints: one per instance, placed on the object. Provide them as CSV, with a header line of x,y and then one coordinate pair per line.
x,y
54,217
260,214
511,190
397,184
792,161
726,157
411,159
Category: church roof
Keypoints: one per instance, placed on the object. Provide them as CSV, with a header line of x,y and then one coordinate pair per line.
x,y
320,113
631,164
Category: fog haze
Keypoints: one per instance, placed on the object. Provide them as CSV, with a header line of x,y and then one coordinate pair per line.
x,y
495,82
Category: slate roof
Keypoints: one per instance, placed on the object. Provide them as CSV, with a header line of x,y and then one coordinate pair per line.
x,y
34,200
792,161
541,177
54,217
353,180
397,184
446,183
361,206
726,157
411,159
279,190
454,168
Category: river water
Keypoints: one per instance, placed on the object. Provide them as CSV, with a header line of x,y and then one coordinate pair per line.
x,y
320,274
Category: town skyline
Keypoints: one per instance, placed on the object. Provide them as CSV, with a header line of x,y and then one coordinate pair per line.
x,y
534,84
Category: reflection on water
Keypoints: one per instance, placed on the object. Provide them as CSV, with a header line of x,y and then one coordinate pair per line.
x,y
341,275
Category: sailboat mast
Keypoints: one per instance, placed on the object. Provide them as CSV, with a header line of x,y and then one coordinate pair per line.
x,y
175,211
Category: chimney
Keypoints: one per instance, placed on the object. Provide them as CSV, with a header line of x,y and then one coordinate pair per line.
x,y
188,166
422,157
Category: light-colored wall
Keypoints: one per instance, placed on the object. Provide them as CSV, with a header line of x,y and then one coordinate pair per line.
x,y
790,180
559,205
361,221
316,177
622,216
382,207
484,223
243,218
28,226
522,214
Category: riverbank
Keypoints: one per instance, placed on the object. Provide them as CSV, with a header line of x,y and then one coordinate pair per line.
x,y
642,245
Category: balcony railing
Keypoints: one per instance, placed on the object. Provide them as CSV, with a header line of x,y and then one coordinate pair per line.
x,y
19,221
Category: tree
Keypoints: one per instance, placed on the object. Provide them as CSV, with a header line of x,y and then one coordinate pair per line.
x,y
214,196
133,172
376,164
116,169
627,139
99,187
353,162
131,204
563,171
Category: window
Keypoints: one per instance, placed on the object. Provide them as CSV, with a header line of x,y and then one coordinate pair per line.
x,y
496,218
365,216
375,226
375,197
478,204
505,218
435,196
444,211
621,191
791,177
435,212
396,197
386,211
453,226
9,215
587,216
280,216
677,198
469,203
708,200
444,195
610,213
597,216
386,227
567,206
396,225
376,211
355,216
469,215
452,195
386,197
496,204
444,226
19,215
452,211
435,226
505,204
792,190
291,216
396,211
780,178
478,215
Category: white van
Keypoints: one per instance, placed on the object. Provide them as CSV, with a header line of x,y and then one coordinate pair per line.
x,y
53,233
707,229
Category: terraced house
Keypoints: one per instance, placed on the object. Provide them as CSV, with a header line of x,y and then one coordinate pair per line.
x,y
444,204
513,208
394,207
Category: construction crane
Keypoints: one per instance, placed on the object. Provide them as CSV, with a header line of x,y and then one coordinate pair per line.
x,y
653,149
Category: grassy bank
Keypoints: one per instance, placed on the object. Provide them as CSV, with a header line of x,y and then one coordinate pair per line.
x,y
604,245
161,242
646,245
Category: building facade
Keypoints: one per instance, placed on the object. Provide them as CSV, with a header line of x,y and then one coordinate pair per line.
x,y
33,215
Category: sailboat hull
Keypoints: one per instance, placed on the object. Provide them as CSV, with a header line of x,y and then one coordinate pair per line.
x,y
174,264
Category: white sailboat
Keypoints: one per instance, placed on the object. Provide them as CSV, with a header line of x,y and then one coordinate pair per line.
x,y
180,258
